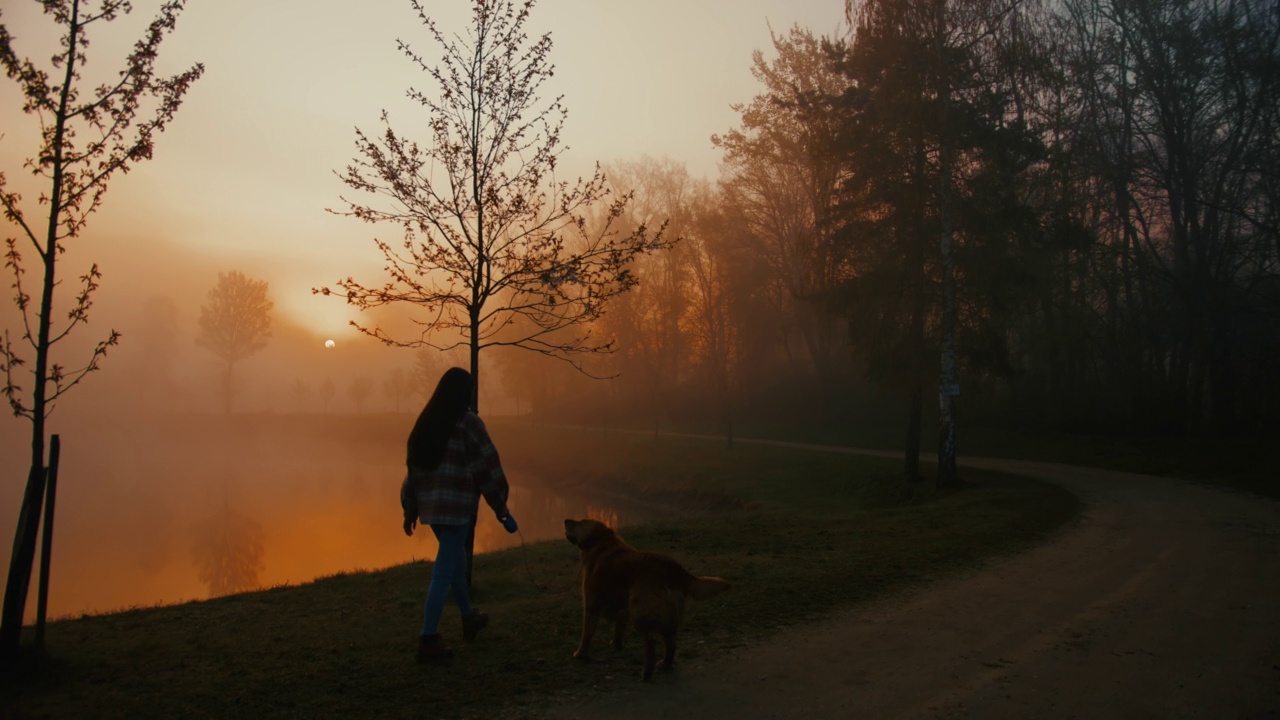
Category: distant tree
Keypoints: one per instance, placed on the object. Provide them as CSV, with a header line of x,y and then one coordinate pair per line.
x,y
158,343
717,320
327,391
301,392
395,387
428,365
648,322
781,173
84,142
235,323
1179,114
359,390
930,204
489,233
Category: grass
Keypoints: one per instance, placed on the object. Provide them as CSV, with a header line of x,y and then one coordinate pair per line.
x,y
799,534
1241,463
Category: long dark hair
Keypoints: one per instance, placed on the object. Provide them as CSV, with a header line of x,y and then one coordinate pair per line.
x,y
430,434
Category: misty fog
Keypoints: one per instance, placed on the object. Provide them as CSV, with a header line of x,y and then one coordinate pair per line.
x,y
156,508
164,498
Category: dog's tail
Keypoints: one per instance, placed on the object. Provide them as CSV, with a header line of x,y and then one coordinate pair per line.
x,y
706,587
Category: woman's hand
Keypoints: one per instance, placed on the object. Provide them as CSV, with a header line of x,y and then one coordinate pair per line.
x,y
509,523
408,525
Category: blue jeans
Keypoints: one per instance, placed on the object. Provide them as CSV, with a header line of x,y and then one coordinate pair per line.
x,y
449,571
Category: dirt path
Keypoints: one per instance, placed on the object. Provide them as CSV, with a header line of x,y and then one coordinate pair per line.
x,y
1162,602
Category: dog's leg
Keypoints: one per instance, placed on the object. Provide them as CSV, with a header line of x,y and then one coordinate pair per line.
x,y
650,652
590,616
669,651
619,630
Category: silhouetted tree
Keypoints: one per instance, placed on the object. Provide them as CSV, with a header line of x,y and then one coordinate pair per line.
x,y
84,142
428,365
158,343
301,394
718,316
395,387
489,233
1177,104
359,390
235,323
781,175
650,323
934,153
327,391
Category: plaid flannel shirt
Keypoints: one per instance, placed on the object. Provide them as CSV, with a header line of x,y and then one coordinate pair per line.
x,y
469,470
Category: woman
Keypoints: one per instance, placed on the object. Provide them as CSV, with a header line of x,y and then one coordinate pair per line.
x,y
452,463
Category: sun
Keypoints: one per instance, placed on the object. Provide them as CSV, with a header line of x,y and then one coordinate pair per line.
x,y
329,344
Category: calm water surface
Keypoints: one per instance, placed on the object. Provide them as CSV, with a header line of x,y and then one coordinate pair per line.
x,y
141,526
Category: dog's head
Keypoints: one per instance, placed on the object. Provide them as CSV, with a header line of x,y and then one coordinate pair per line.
x,y
586,533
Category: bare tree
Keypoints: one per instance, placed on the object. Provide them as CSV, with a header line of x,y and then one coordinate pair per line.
x,y
158,343
649,323
717,322
359,390
327,390
395,387
235,323
86,137
490,234
301,392
1178,103
428,365
781,176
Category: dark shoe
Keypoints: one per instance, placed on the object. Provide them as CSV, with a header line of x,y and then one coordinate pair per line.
x,y
431,648
472,624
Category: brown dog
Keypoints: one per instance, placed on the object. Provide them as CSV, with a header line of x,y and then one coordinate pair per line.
x,y
621,583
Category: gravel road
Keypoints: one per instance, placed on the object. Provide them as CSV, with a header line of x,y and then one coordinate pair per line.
x,y
1163,601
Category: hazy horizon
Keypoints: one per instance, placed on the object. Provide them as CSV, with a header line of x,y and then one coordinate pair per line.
x,y
242,178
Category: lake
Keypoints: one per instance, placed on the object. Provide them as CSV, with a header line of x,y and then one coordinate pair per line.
x,y
151,515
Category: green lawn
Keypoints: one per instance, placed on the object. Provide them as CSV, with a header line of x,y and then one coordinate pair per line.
x,y
1244,463
800,534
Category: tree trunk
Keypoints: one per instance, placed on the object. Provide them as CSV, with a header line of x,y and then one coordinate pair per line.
x,y
911,465
947,476
24,543
474,347
475,407
46,541
227,385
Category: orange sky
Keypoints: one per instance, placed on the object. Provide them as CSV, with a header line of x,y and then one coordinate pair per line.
x,y
242,178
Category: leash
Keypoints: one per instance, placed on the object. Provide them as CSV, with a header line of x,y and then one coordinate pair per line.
x,y
528,568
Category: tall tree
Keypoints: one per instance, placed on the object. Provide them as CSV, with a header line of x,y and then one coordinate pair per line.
x,y
649,322
1179,101
489,233
235,323
718,318
86,137
781,176
931,213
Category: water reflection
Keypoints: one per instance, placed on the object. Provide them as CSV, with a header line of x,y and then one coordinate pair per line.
x,y
227,551
184,531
